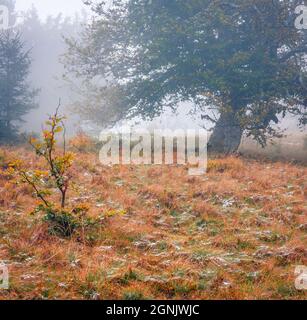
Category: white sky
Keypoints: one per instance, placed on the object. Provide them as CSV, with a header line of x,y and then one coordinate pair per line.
x,y
51,7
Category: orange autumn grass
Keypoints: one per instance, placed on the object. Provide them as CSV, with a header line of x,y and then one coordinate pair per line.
x,y
235,233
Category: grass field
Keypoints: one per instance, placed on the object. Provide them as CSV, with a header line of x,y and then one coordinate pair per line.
x,y
237,232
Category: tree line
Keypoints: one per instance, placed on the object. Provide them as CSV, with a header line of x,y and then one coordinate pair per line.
x,y
244,59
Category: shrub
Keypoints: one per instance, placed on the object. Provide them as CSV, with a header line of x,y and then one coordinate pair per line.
x,y
58,165
61,221
65,224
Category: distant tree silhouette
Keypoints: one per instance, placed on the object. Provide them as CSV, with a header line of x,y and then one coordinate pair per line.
x,y
16,96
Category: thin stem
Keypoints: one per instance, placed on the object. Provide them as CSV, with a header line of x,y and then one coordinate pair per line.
x,y
38,193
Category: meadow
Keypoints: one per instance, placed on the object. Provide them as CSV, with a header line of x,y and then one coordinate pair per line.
x,y
237,232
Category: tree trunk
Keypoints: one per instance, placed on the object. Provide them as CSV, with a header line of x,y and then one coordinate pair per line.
x,y
226,136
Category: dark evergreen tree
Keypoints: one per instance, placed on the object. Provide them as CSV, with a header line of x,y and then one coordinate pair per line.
x,y
16,96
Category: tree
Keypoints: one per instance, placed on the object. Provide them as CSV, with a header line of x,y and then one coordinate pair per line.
x,y
16,97
244,58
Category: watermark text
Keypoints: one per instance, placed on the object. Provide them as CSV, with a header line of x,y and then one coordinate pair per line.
x,y
301,278
4,276
141,147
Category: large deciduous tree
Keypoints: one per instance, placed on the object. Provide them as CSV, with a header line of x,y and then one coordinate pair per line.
x,y
245,58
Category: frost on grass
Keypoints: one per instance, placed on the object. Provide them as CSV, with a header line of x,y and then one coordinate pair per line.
x,y
236,233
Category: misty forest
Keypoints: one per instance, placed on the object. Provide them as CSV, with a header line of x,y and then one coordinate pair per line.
x,y
75,227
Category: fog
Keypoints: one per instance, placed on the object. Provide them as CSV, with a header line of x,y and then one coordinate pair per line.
x,y
44,25
46,8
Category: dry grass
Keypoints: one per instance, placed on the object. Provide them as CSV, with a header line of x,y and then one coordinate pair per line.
x,y
236,233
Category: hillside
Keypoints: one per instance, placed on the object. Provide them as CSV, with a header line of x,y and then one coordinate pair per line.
x,y
236,233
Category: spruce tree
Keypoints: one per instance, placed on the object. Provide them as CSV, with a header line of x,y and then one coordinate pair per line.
x,y
16,96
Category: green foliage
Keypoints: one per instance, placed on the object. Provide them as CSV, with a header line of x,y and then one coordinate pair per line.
x,y
243,57
129,276
65,224
16,97
61,223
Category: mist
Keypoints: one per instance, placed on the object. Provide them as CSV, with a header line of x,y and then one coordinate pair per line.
x,y
44,26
